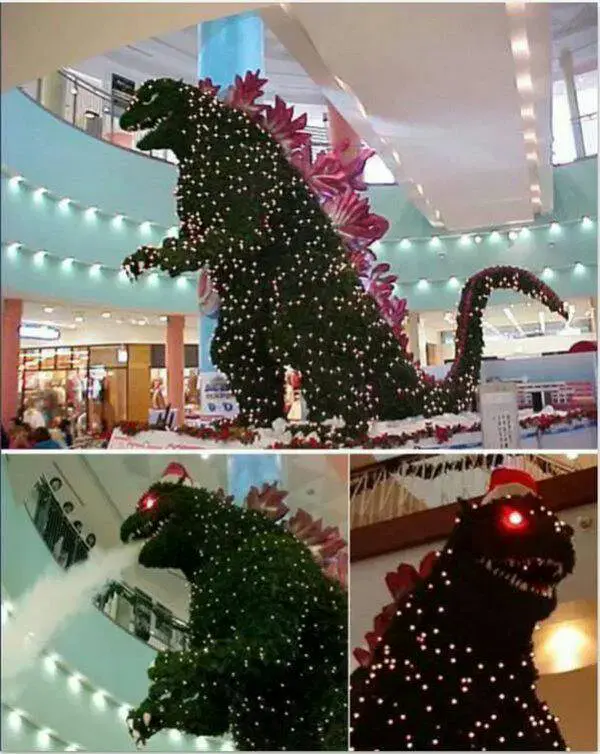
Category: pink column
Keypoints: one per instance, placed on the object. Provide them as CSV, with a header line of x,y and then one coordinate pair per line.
x,y
175,362
12,312
341,131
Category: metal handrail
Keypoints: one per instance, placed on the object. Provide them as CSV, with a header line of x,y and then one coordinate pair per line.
x,y
129,608
97,112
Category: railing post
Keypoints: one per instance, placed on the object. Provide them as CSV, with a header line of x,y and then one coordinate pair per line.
x,y
566,64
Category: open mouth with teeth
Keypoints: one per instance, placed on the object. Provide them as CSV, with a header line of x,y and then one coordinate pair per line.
x,y
537,576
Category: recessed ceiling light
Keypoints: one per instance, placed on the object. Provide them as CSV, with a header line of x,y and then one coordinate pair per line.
x,y
78,318
163,318
106,315
520,46
530,136
48,309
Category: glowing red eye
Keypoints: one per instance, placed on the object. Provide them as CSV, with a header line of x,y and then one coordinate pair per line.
x,y
149,502
513,519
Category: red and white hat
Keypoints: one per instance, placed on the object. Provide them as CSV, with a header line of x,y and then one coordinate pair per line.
x,y
505,481
175,473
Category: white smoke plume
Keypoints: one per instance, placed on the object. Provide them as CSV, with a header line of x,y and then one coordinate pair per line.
x,y
46,609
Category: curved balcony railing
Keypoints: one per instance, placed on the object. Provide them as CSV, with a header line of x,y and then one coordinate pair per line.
x,y
97,112
130,608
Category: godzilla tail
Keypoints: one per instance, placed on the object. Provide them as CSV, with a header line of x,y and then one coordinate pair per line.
x,y
457,391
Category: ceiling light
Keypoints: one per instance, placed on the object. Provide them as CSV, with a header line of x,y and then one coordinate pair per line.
x,y
78,318
12,249
494,236
524,83
43,738
64,203
14,719
91,211
531,156
435,242
525,233
68,262
173,231
423,284
478,239
511,317
182,283
465,239
95,269
535,188
175,735
48,309
586,221
15,180
141,322
205,456
99,698
454,282
39,192
39,257
74,683
420,189
530,135
106,315
548,273
554,227
579,268
145,226
119,321
163,318
520,46
527,112
117,219
513,235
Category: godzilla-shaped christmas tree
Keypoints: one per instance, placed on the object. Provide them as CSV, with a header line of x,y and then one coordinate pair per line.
x,y
450,661
266,659
286,242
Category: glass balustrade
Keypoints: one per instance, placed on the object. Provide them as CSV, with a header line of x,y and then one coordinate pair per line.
x,y
129,607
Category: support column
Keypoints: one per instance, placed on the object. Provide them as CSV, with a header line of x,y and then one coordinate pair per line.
x,y
244,471
566,63
413,331
53,94
341,131
227,47
175,363
12,313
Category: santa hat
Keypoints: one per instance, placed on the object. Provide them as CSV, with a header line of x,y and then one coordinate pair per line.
x,y
505,481
175,473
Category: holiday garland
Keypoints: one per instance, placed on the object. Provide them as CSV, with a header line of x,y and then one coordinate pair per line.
x,y
313,435
449,663
267,631
285,242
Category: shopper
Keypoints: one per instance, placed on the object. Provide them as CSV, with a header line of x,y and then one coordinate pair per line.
x,y
41,440
19,435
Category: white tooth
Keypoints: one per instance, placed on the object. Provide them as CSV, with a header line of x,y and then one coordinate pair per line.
x,y
146,717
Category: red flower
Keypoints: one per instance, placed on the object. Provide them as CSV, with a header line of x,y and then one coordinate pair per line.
x,y
207,87
244,93
268,500
351,218
279,122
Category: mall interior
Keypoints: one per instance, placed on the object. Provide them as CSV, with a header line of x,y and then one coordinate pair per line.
x,y
484,123
75,655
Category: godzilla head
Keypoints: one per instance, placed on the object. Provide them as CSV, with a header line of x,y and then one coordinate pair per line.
x,y
159,517
513,548
162,108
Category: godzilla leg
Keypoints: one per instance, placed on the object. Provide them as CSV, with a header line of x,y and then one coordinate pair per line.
x,y
183,696
252,372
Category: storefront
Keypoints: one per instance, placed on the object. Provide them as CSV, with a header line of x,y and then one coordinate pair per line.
x,y
98,386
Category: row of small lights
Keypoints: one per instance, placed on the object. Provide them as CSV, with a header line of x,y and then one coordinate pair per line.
x,y
519,43
464,239
95,269
64,203
495,236
101,699
547,273
79,318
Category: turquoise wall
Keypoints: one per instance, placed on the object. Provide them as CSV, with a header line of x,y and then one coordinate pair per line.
x,y
92,645
94,173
